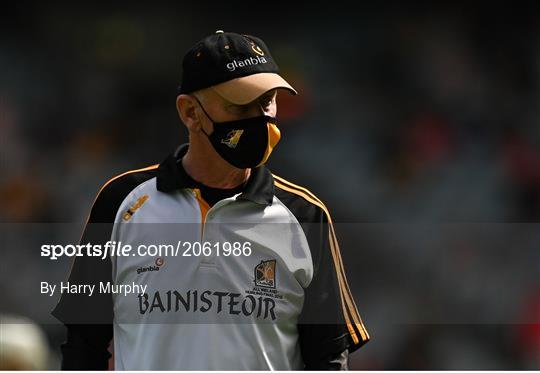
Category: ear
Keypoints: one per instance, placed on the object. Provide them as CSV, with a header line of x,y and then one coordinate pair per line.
x,y
187,111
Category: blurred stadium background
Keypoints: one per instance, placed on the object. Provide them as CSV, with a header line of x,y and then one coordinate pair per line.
x,y
418,125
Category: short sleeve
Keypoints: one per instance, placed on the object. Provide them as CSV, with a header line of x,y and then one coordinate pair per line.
x,y
329,322
81,307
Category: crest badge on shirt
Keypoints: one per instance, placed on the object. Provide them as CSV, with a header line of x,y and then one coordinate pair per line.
x,y
264,277
265,274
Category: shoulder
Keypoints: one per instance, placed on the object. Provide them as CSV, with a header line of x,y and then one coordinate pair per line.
x,y
303,203
114,191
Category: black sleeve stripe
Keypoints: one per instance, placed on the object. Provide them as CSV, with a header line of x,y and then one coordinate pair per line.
x,y
352,305
103,188
348,305
117,177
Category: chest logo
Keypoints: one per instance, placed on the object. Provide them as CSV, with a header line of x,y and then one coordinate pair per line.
x,y
265,274
158,264
129,213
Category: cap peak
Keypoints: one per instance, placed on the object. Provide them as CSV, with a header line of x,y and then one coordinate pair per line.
x,y
226,56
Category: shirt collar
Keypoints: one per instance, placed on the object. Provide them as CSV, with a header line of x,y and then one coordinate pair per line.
x,y
171,176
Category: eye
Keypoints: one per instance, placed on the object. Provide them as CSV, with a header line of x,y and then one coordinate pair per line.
x,y
266,101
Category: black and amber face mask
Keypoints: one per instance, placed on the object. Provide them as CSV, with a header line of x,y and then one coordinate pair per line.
x,y
244,143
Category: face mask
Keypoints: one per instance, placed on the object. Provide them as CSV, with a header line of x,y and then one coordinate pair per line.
x,y
244,143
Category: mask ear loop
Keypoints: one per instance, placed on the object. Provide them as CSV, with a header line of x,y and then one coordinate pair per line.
x,y
205,113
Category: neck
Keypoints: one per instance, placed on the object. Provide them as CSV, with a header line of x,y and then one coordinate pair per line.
x,y
204,165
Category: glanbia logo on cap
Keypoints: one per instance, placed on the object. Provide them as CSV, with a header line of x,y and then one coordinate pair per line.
x,y
247,62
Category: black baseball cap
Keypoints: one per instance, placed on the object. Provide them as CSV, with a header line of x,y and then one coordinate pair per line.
x,y
238,67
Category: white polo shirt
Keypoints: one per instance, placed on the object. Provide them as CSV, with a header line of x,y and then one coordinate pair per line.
x,y
276,301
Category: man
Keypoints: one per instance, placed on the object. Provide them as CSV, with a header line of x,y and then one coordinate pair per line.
x,y
278,300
